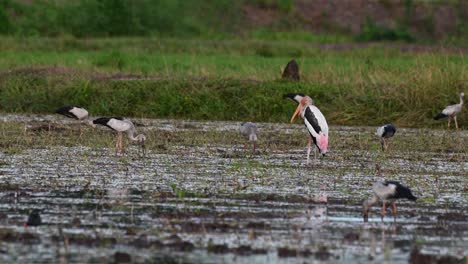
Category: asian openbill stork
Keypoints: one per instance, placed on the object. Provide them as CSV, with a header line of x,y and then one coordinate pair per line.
x,y
384,133
451,111
314,121
75,112
120,125
387,192
249,131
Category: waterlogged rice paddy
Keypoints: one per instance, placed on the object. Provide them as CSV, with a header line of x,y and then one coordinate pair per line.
x,y
197,196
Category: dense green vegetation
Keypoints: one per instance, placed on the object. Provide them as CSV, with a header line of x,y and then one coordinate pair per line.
x,y
227,80
223,19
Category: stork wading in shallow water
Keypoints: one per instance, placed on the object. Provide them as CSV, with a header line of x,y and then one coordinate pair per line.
x,y
387,192
314,121
121,125
75,112
384,133
451,111
249,131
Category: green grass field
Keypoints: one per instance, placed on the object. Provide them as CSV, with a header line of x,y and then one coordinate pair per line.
x,y
228,79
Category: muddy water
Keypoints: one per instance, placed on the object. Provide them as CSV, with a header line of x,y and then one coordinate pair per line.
x,y
215,204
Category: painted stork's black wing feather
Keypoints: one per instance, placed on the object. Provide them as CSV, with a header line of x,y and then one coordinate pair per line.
x,y
389,130
439,116
65,110
310,117
401,191
104,121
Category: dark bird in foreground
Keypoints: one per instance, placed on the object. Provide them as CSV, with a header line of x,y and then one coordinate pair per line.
x,y
384,133
314,121
387,192
249,131
75,112
120,125
451,111
34,219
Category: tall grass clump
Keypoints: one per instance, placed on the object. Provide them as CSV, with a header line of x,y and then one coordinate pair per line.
x,y
370,97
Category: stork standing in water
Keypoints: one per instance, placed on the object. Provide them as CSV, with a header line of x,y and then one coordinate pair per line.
x,y
384,133
387,192
249,131
314,121
451,111
76,112
120,125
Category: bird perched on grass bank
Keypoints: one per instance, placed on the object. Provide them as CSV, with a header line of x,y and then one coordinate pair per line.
x,y
249,131
75,112
387,192
314,121
120,125
384,133
451,111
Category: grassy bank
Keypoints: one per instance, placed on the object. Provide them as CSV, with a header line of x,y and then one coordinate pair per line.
x,y
228,80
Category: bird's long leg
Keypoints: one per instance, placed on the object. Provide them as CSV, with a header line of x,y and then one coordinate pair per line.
x,y
383,210
455,119
117,144
308,149
315,156
394,211
122,147
386,144
253,148
449,122
382,143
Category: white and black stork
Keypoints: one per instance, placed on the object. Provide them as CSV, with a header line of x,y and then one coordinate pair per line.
x,y
75,112
387,192
314,121
249,131
384,133
120,125
451,111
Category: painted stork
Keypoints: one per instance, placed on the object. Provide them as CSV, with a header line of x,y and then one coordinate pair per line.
x,y
451,111
249,131
120,125
314,121
384,133
387,192
75,112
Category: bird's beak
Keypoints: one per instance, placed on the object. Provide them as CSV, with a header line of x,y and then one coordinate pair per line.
x,y
298,110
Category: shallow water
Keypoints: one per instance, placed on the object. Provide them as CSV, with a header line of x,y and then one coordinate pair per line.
x,y
215,204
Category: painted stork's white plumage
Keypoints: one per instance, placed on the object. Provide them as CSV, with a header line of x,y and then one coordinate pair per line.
x,y
451,111
384,133
120,125
387,192
314,121
75,112
249,131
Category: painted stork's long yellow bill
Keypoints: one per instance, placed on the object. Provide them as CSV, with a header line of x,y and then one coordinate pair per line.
x,y
298,110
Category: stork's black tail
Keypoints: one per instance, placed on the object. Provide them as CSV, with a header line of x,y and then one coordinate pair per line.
x,y
439,116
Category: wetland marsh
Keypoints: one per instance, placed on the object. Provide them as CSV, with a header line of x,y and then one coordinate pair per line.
x,y
197,196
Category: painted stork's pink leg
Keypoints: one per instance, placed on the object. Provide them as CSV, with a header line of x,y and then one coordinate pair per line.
x,y
449,122
455,119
